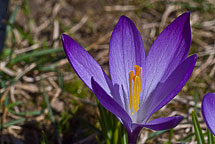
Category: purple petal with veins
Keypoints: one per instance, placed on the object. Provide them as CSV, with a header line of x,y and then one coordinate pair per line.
x,y
139,85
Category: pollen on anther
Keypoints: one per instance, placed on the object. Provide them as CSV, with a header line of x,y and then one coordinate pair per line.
x,y
135,88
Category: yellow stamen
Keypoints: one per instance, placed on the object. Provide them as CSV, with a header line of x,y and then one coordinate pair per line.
x,y
140,86
134,96
134,92
130,89
137,81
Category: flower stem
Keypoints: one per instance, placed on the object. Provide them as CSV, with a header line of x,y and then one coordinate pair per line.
x,y
133,135
132,140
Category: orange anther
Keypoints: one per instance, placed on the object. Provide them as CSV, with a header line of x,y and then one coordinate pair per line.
x,y
137,70
133,75
135,88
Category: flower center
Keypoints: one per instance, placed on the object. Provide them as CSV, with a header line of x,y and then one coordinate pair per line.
x,y
135,85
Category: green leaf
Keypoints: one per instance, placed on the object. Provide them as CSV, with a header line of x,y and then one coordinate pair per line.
x,y
37,53
30,113
188,138
44,139
196,99
13,122
22,33
45,97
198,130
12,18
124,136
113,131
116,132
170,136
211,138
154,134
11,105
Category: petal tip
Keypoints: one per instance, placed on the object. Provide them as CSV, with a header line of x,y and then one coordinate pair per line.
x,y
65,40
194,57
187,13
124,19
186,16
180,118
164,123
64,37
183,20
68,43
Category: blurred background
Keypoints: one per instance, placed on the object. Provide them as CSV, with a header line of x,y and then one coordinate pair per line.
x,y
42,98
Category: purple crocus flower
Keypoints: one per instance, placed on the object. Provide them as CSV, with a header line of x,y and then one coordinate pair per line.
x,y
208,111
139,85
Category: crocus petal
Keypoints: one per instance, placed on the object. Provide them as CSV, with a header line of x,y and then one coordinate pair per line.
x,y
164,123
208,111
169,49
111,105
126,50
166,91
155,124
84,65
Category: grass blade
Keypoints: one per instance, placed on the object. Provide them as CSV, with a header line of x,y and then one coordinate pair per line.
x,y
188,138
50,112
12,18
211,138
198,130
30,113
37,53
14,122
44,139
154,134
170,136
